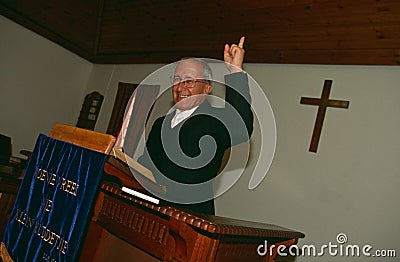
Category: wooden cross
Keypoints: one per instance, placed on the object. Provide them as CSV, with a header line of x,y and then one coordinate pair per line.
x,y
322,104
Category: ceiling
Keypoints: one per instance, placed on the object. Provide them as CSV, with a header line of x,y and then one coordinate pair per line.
x,y
346,32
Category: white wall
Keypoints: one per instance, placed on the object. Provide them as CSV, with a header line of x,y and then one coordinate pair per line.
x,y
41,84
351,185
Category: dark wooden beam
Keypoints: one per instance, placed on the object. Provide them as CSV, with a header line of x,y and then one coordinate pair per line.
x,y
286,32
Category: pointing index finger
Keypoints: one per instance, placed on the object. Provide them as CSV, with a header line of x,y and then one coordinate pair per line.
x,y
241,42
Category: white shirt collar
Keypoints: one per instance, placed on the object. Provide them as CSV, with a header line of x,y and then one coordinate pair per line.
x,y
181,115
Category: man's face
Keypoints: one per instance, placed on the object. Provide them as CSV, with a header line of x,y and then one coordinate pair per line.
x,y
191,90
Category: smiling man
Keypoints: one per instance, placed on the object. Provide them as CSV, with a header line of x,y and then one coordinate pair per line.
x,y
185,148
191,82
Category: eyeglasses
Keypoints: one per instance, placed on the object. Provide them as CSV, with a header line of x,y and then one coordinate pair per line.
x,y
187,82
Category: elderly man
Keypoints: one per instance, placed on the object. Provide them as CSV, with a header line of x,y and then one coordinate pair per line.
x,y
187,146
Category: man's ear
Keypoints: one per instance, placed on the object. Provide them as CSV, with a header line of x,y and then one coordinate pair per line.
x,y
207,89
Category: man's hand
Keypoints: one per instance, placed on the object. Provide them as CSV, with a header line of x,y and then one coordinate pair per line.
x,y
234,55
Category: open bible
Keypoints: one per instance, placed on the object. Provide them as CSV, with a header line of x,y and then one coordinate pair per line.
x,y
138,169
132,163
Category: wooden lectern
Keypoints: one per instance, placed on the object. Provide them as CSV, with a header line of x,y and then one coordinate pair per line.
x,y
124,227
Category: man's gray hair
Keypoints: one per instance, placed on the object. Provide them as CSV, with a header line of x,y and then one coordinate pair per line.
x,y
207,72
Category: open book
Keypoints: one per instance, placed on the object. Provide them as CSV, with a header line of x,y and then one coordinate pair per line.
x,y
132,163
140,169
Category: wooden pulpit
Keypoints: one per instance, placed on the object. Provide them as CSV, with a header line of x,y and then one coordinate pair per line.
x,y
125,227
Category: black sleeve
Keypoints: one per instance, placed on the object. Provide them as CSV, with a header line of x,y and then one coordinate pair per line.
x,y
238,96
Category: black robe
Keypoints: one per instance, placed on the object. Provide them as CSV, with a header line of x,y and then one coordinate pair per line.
x,y
201,156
